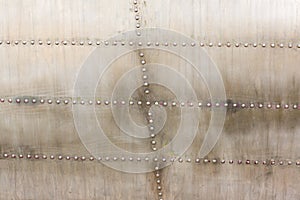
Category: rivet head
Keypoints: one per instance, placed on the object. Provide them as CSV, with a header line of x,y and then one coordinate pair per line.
x,y
206,161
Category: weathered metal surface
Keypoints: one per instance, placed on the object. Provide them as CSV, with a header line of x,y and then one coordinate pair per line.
x,y
254,45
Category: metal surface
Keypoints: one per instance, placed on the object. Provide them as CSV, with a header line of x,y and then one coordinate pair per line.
x,y
254,45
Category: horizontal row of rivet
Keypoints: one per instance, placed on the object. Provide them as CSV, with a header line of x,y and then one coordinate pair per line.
x,y
180,160
131,43
149,103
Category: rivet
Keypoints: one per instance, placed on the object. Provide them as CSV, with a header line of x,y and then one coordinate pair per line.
x,y
44,157
33,100
81,43
208,104
144,69
254,45
60,157
138,159
222,161
26,100
269,106
159,187
193,44
217,104
230,161
99,158
49,101
5,155
173,103
160,194
260,105
289,162
57,101
83,158
148,43
188,160
68,157
298,163
280,162
76,157
200,104
90,42
174,44
148,103
182,104
66,101
225,104
65,42
202,44
136,9
219,44
73,42
56,42
247,162
91,158
264,162
13,155
130,43
42,101
122,158
155,159
151,128
9,100
139,102
197,160
40,42
252,105
20,156
290,45
154,148
210,44
214,161
272,45
146,159
246,45
97,42
240,161
106,102
228,44
52,157
206,161
36,156
278,106
156,44
32,42
243,105
234,105
256,162
164,159
183,44
152,135
140,43
156,168
16,42
295,106
281,45
298,45
286,106
24,42
130,159
237,44
28,156
131,102
272,162
263,45
7,42
74,102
